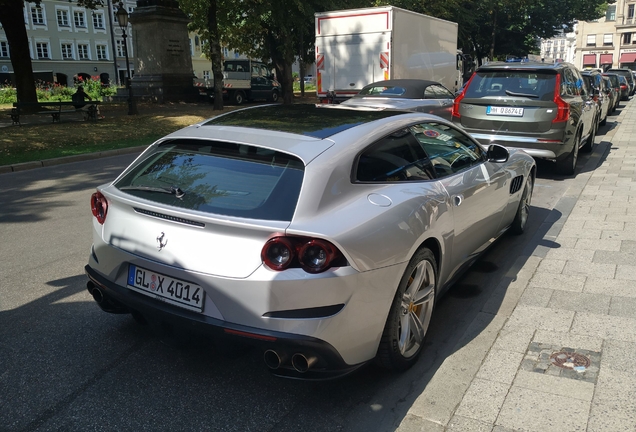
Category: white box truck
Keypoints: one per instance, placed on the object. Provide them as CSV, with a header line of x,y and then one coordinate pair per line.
x,y
359,46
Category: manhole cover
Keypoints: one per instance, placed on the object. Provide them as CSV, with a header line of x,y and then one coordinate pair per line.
x,y
569,360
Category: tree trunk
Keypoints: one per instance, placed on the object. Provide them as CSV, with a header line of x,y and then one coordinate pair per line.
x,y
215,55
12,20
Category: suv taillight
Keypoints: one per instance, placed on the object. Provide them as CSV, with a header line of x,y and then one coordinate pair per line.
x,y
99,207
563,108
312,255
455,112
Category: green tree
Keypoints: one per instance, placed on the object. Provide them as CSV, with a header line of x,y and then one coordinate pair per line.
x,y
12,20
210,21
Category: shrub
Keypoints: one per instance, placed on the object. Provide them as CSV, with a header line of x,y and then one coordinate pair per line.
x,y
7,95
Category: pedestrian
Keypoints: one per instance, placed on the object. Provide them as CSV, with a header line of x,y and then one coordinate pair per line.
x,y
79,101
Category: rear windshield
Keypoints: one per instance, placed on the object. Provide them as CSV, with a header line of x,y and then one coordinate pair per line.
x,y
219,178
382,91
539,86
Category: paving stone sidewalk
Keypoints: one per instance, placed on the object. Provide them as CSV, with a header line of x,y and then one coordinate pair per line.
x,y
562,355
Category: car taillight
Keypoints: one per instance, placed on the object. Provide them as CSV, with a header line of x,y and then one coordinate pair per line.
x,y
99,207
563,108
312,255
455,112
623,86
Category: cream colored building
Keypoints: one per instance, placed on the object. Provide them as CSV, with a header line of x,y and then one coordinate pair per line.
x,y
559,48
67,41
609,41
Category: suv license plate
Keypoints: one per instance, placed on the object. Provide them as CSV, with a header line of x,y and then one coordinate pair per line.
x,y
504,111
167,289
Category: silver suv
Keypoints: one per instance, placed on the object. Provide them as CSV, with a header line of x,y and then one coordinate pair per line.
x,y
543,108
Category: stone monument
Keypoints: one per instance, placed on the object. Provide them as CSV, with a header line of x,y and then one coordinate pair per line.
x,y
162,50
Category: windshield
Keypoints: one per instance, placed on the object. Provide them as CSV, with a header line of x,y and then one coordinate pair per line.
x,y
512,83
219,178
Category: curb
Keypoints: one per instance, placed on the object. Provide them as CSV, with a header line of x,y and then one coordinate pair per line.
x,y
68,159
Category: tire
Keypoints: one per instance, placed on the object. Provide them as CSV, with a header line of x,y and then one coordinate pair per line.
x,y
604,121
274,97
523,211
238,98
567,165
410,313
589,144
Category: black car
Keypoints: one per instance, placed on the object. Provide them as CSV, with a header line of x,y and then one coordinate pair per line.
x,y
600,93
616,85
627,73
543,108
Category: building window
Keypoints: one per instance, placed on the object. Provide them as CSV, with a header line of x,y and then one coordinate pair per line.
x,y
98,21
82,51
591,40
206,74
627,38
607,40
120,48
42,50
610,15
62,18
4,49
67,51
630,11
102,52
37,15
226,52
80,19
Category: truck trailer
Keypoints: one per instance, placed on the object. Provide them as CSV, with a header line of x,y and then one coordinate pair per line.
x,y
359,46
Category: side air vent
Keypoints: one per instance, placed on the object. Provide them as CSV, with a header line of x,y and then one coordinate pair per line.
x,y
169,218
515,185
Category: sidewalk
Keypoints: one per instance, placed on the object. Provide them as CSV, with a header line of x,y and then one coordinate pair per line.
x,y
560,349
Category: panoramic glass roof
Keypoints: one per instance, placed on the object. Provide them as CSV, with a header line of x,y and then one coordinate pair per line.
x,y
318,121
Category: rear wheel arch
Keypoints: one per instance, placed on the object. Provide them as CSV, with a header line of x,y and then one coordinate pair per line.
x,y
434,246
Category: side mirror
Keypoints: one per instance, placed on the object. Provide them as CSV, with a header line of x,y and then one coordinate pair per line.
x,y
497,153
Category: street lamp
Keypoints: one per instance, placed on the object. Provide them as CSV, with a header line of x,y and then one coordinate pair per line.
x,y
122,20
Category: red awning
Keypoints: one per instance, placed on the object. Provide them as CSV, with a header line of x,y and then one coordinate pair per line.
x,y
606,59
628,58
589,59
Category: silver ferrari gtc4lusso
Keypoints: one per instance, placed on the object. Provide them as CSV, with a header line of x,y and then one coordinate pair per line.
x,y
322,234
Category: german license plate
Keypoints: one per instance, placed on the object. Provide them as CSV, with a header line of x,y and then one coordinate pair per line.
x,y
167,289
504,111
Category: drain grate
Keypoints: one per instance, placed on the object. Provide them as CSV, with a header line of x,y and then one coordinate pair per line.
x,y
548,359
570,360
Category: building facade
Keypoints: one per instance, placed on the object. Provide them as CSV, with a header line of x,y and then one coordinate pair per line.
x,y
559,48
609,41
67,41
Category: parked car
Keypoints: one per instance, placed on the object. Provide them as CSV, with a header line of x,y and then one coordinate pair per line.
x,y
627,73
598,89
611,93
616,87
322,234
624,87
543,108
407,94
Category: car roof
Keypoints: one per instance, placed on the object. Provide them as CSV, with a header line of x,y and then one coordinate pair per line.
x,y
530,65
284,128
313,120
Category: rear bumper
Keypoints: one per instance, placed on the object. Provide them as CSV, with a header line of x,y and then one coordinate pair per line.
x,y
534,147
328,362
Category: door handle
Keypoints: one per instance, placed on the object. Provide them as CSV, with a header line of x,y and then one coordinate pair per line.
x,y
458,199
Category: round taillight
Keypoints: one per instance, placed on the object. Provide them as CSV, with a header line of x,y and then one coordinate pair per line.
x,y
315,256
99,207
277,253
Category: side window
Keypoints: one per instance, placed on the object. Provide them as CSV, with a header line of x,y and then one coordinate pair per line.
x,y
443,93
449,149
430,93
395,158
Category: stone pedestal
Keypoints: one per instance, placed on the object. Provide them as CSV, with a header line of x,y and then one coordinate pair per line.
x,y
162,50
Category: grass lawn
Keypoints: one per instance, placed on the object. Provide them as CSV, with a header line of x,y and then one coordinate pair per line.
x,y
38,138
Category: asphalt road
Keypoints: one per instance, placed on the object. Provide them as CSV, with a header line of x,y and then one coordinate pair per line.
x,y
66,365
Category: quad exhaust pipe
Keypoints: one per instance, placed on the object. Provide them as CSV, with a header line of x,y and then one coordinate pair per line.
x,y
106,303
300,362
